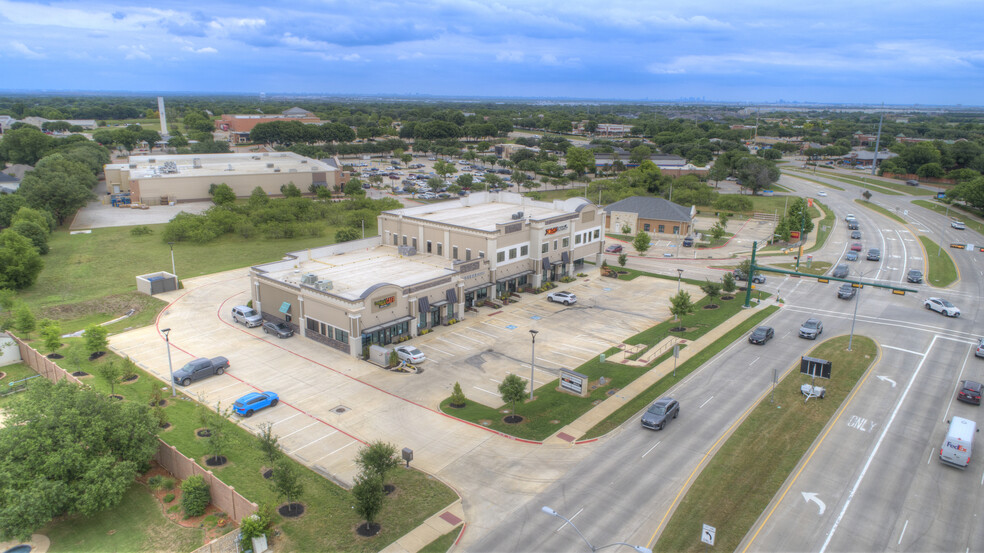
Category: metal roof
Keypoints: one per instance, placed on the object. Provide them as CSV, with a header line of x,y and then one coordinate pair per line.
x,y
648,207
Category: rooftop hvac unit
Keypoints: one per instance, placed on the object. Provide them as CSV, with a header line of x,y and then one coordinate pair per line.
x,y
196,163
269,166
303,161
133,166
309,279
518,215
255,157
292,170
324,285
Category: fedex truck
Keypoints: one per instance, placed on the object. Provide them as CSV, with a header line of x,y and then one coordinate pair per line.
x,y
959,443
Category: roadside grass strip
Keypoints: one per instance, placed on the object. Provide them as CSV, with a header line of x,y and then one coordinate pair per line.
x,y
942,272
952,213
815,268
799,175
881,210
442,544
747,472
824,228
641,401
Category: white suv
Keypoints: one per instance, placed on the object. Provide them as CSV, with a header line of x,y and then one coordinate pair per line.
x,y
565,298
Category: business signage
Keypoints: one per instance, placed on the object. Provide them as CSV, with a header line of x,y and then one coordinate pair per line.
x,y
555,230
383,303
573,382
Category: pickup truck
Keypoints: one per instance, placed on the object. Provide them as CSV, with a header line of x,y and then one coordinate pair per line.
x,y
200,368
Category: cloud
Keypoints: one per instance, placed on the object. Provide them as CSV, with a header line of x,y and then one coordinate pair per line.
x,y
205,50
509,56
135,52
22,49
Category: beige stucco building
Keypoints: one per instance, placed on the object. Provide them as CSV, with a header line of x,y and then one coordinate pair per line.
x,y
430,264
160,179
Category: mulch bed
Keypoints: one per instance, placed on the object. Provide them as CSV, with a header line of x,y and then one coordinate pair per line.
x,y
268,474
512,419
216,461
160,403
177,517
457,405
203,432
711,306
389,488
291,510
367,530
80,373
96,355
116,396
55,356
131,379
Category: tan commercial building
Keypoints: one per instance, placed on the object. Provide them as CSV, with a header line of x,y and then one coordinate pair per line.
x,y
243,123
429,265
656,216
161,179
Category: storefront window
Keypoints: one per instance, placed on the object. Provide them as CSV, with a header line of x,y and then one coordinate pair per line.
x,y
313,325
436,317
341,335
645,227
597,234
524,250
577,239
422,321
662,228
676,229
566,242
481,294
450,310
522,280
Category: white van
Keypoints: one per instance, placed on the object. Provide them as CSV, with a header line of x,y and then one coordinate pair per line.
x,y
959,442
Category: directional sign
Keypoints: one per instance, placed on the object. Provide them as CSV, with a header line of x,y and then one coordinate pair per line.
x,y
813,497
823,280
707,534
886,379
899,292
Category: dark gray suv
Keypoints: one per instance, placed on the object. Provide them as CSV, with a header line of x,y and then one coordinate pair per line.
x,y
840,271
660,412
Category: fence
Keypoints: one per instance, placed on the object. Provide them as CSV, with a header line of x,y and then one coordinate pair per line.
x,y
224,497
228,543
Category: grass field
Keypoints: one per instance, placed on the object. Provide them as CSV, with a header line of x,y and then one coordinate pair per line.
x,y
881,210
14,373
741,479
942,271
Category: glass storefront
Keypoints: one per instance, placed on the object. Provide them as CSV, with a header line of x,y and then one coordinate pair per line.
x,y
512,285
476,297
386,335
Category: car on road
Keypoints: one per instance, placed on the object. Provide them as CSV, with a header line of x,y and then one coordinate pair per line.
x,y
856,247
979,350
660,412
849,216
914,276
822,194
410,354
846,291
943,306
279,328
614,248
740,275
253,402
855,235
840,271
811,329
853,224
761,335
565,298
874,254
688,242
851,256
970,392
958,225
200,368
246,316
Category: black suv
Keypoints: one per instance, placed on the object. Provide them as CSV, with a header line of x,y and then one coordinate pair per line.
x,y
914,276
846,291
970,392
874,254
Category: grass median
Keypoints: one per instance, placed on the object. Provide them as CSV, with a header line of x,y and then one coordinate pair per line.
x,y
941,270
815,268
951,212
745,474
881,210
798,174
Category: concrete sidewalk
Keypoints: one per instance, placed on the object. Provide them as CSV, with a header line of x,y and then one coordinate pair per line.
x,y
432,528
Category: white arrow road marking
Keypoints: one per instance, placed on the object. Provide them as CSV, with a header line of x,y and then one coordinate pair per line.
x,y
886,379
810,496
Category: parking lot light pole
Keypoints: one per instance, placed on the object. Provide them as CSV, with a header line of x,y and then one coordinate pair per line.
x,y
533,333
553,513
679,278
170,370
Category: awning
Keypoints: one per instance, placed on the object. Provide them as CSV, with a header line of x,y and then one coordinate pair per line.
x,y
510,277
479,287
565,257
377,328
437,304
424,304
546,263
452,295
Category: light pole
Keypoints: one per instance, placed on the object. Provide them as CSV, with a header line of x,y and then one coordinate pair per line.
x,y
171,245
553,513
170,370
679,278
533,333
857,300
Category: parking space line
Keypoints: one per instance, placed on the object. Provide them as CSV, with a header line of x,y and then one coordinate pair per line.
x,y
453,344
486,391
591,351
565,355
288,418
316,394
330,434
235,397
460,335
298,430
494,337
224,387
440,350
339,449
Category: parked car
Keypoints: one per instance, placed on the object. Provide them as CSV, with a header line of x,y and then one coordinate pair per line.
x,y
970,392
846,291
943,306
200,368
688,242
958,225
840,271
979,350
822,194
856,247
761,335
874,254
246,316
851,256
660,412
914,276
811,329
855,235
614,248
253,402
410,354
280,328
565,298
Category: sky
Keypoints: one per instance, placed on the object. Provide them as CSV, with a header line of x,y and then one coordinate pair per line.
x,y
874,51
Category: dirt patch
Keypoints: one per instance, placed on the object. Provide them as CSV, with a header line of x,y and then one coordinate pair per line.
x,y
112,306
218,524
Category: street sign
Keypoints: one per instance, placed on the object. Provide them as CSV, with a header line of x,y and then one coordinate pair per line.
x,y
899,292
823,280
811,366
676,351
707,535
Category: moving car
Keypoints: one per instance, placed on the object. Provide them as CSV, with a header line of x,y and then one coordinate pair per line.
x,y
855,235
614,248
979,350
688,242
874,254
281,329
811,329
856,247
914,276
849,216
851,256
740,275
660,412
970,392
253,402
761,335
958,225
846,291
840,271
853,224
246,316
410,354
200,368
941,305
822,194
565,298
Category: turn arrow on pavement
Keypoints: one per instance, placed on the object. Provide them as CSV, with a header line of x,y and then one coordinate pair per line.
x,y
810,496
886,379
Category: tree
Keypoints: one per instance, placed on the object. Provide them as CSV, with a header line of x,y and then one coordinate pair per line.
x,y
579,160
641,242
290,190
757,173
95,338
354,188
369,494
269,442
67,449
867,195
457,396
218,439
347,233
286,481
195,495
713,290
58,184
406,159
626,229
464,181
25,145
110,373
258,198
622,259
51,334
41,218
151,137
377,457
24,321
222,194
513,389
728,283
769,153
639,154
680,306
799,216
717,231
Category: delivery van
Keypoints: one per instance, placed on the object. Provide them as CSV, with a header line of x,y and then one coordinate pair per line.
x,y
959,442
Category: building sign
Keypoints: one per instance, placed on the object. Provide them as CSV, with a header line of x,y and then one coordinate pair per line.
x,y
555,230
285,307
384,302
573,382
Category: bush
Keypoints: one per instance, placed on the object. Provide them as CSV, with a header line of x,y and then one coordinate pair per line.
x,y
255,525
141,230
169,498
195,496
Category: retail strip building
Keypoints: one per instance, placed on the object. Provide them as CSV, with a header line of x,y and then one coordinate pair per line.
x,y
428,265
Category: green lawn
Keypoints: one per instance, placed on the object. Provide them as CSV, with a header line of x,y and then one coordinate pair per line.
x,y
942,271
742,478
136,524
819,228
938,207
815,268
442,544
881,210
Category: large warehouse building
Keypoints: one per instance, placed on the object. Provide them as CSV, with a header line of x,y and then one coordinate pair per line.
x,y
161,179
428,265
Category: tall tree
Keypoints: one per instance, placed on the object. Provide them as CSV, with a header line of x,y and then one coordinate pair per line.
x,y
579,160
286,481
20,262
641,242
680,305
377,457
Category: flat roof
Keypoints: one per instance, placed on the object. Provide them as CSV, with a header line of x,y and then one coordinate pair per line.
x,y
221,164
353,273
482,211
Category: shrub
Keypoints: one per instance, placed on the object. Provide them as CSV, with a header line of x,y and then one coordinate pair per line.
x,y
255,525
169,498
457,396
195,496
141,230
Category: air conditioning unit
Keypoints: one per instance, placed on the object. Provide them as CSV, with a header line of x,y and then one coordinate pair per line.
x,y
324,285
407,250
519,215
269,166
309,278
276,169
303,161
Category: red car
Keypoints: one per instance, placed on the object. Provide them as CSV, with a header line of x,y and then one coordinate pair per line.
x,y
856,247
614,248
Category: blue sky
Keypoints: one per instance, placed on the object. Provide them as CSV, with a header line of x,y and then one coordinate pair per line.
x,y
897,52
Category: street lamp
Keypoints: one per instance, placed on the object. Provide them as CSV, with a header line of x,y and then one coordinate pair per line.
x,y
171,245
679,278
533,333
553,513
170,370
857,300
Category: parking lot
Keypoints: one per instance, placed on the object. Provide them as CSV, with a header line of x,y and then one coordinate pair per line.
x,y
330,403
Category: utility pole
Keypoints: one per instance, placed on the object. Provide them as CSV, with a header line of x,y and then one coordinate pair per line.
x,y
874,162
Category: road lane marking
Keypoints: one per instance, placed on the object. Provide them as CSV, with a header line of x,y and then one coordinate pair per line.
x,y
569,521
486,391
956,386
754,361
705,401
904,526
650,449
905,350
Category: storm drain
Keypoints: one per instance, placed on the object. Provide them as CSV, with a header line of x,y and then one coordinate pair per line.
x,y
340,409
